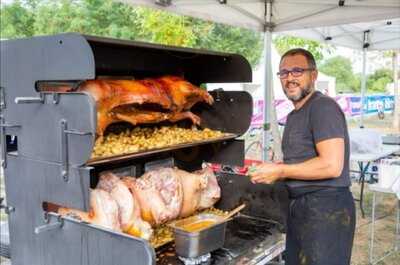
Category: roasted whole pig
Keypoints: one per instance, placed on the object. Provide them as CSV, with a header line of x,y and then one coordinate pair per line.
x,y
129,208
168,98
160,194
103,211
135,205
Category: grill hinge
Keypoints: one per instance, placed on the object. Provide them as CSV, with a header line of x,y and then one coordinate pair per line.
x,y
2,98
48,226
3,126
64,147
7,208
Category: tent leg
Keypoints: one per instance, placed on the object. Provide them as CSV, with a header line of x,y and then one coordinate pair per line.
x,y
267,84
364,77
363,85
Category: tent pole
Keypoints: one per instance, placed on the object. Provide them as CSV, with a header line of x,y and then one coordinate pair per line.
x,y
364,77
267,88
267,84
396,90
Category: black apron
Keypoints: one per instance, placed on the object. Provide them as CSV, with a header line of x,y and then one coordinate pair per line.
x,y
320,226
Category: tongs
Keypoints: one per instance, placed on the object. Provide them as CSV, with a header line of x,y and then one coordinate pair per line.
x,y
233,212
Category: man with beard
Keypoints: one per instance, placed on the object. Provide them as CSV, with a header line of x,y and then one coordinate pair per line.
x,y
315,144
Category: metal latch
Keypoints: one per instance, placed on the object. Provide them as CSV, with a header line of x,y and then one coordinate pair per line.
x,y
219,94
2,98
29,100
50,225
64,147
3,140
7,209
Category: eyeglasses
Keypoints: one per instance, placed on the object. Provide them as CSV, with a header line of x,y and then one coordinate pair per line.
x,y
296,72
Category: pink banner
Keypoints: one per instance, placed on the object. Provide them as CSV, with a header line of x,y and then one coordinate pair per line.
x,y
284,106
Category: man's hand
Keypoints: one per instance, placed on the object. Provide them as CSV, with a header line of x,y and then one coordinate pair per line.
x,y
266,173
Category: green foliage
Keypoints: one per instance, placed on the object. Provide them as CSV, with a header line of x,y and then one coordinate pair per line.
x,y
26,18
166,28
347,82
109,18
285,43
377,81
341,68
17,19
231,39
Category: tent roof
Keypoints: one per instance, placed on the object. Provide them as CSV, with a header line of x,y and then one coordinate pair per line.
x,y
286,14
314,19
382,35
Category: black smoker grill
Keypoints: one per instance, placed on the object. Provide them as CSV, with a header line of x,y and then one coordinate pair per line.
x,y
54,134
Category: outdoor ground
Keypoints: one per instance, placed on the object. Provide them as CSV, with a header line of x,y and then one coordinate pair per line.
x,y
385,226
386,211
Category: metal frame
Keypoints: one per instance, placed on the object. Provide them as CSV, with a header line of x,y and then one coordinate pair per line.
x,y
396,244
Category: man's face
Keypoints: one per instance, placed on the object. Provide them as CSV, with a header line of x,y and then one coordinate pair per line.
x,y
297,87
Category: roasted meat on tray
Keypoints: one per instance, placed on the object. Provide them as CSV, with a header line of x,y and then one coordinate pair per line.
x,y
152,100
137,205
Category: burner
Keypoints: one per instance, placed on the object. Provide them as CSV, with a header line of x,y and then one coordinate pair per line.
x,y
195,261
246,238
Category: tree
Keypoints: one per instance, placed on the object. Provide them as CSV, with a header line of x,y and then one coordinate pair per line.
x,y
26,18
17,19
226,38
285,43
108,18
341,68
379,79
166,28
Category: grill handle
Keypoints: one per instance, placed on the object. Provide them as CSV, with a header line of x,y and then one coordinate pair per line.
x,y
3,140
64,147
30,100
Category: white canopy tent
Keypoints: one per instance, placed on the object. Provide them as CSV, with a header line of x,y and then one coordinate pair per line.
x,y
376,35
323,20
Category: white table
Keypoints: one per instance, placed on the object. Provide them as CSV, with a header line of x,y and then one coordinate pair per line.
x,y
364,161
375,188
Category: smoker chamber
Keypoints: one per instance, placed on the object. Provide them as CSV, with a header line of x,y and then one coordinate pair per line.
x,y
53,136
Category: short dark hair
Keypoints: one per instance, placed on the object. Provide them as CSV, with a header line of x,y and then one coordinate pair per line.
x,y
305,53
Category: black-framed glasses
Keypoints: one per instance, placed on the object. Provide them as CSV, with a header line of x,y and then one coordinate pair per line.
x,y
296,72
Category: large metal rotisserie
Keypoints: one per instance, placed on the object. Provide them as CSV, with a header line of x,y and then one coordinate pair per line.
x,y
54,134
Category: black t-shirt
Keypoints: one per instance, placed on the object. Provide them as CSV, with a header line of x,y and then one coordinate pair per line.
x,y
320,118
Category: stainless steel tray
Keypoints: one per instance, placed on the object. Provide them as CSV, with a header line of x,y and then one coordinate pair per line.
x,y
198,243
123,157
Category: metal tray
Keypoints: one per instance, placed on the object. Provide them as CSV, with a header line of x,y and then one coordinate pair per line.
x,y
391,139
123,157
198,243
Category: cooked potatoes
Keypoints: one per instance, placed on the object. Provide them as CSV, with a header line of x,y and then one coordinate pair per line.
x,y
141,139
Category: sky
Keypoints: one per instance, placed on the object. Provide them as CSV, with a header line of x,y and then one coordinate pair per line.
x,y
6,1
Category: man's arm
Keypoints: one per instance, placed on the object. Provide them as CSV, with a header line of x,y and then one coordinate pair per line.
x,y
328,164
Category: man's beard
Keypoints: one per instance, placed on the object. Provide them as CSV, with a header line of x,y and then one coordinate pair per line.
x,y
304,93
